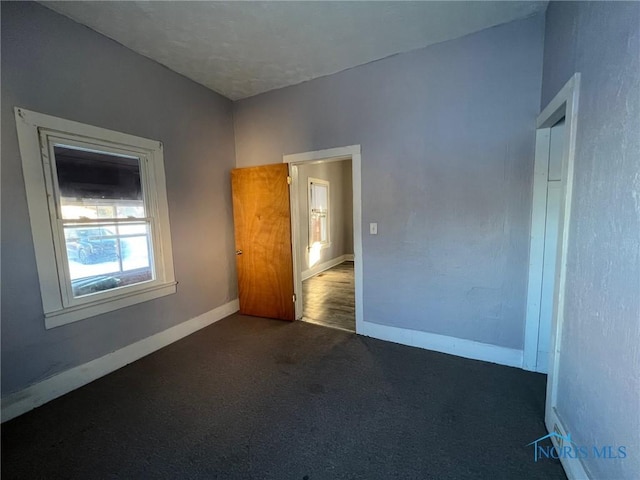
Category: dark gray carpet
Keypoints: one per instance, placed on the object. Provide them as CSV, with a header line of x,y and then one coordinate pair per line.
x,y
249,398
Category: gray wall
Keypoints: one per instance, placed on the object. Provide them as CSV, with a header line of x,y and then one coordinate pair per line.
x,y
338,174
447,136
55,66
599,392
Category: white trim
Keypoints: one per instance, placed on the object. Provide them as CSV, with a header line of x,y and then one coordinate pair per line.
x,y
37,133
444,344
568,100
564,104
330,155
321,267
358,261
298,261
573,467
42,392
556,108
73,314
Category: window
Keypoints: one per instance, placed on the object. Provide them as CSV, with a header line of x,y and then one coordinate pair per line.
x,y
318,212
99,216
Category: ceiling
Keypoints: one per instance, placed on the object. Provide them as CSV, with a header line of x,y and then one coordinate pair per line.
x,y
240,49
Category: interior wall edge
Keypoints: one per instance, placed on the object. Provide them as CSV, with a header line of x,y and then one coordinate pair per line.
x,y
460,347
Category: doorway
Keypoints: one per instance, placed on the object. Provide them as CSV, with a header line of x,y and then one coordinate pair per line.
x,y
550,221
326,236
552,229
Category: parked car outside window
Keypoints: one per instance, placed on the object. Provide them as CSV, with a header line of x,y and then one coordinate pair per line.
x,y
91,245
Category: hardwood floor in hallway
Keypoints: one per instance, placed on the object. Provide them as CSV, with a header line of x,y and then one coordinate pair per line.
x,y
329,298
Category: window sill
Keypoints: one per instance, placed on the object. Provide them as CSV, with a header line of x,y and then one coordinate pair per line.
x,y
323,246
74,314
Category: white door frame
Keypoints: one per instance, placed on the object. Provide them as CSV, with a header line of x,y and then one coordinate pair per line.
x,y
564,104
352,153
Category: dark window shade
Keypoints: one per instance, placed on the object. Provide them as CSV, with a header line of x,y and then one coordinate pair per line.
x,y
86,174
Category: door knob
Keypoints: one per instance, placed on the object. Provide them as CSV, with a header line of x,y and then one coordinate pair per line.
x,y
238,252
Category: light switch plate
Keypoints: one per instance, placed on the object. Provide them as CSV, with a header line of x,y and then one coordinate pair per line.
x,y
373,228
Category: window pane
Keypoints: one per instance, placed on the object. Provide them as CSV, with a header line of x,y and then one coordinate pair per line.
x,y
323,229
130,210
318,213
98,185
320,196
108,256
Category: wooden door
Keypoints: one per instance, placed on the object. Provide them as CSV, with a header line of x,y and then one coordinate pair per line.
x,y
262,223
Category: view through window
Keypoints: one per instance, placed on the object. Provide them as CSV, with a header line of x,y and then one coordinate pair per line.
x,y
103,214
318,212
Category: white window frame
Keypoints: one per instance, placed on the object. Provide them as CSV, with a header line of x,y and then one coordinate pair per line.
x,y
35,134
319,181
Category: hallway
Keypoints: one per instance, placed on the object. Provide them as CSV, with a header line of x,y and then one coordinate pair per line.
x,y
329,298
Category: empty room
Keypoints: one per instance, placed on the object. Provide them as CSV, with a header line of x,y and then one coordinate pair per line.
x,y
320,240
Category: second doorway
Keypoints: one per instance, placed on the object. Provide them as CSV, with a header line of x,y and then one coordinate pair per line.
x,y
324,251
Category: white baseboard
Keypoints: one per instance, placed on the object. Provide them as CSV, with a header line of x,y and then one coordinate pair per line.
x,y
42,392
321,267
444,344
573,467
